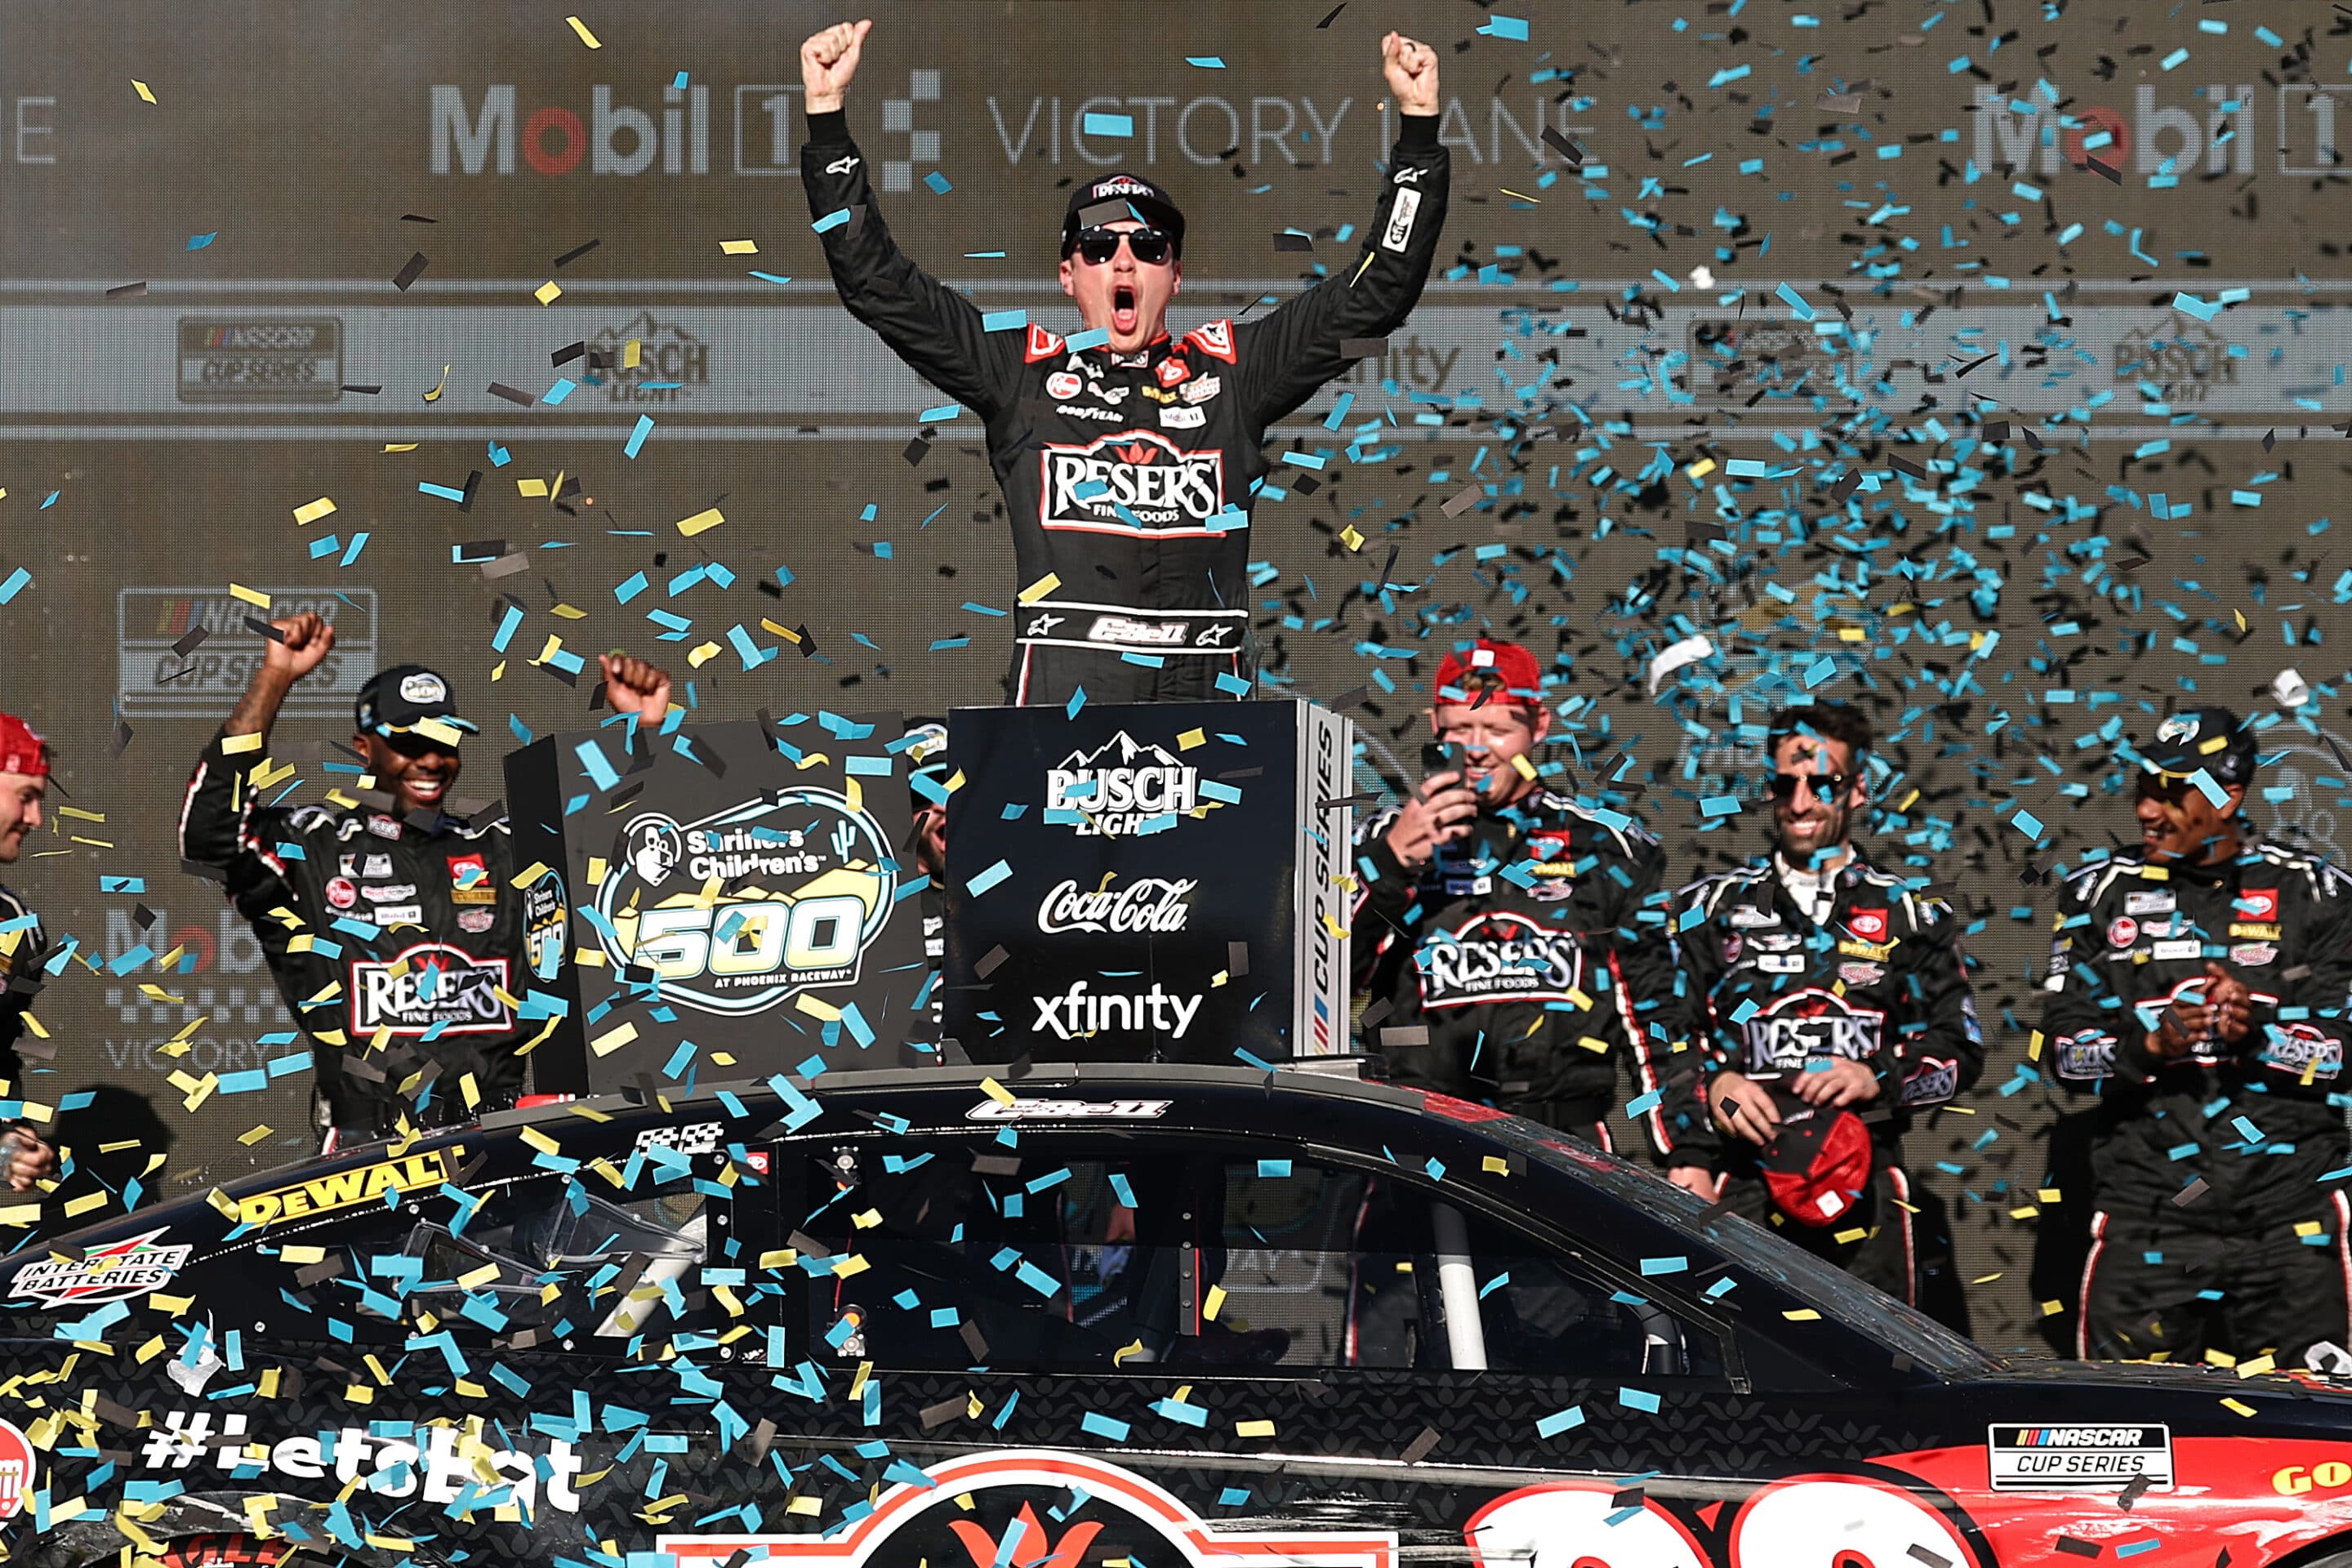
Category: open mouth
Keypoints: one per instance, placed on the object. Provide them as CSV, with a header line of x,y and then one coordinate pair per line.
x,y
1122,309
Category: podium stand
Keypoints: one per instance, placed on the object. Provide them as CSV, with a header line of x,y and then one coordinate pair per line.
x,y
733,900
1148,882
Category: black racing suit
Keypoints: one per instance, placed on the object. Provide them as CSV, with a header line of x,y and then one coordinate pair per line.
x,y
22,947
1765,988
1533,956
2214,1227
375,930
1129,479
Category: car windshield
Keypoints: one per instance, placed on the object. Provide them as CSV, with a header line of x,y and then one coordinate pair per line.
x,y
1832,1290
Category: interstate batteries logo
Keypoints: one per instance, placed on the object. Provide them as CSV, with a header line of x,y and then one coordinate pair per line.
x,y
1121,789
1135,481
120,1272
752,905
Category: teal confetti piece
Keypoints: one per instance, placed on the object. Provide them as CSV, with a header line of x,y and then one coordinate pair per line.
x,y
629,589
1078,700
1636,1399
1559,1421
988,878
564,387
1655,1265
18,581
1010,321
677,83
1206,62
944,411
770,276
199,241
638,436
444,492
359,542
1274,1168
122,884
938,182
1110,125
831,220
1232,685
1513,27
591,758
1092,338
1102,1426
1795,301
326,545
2025,822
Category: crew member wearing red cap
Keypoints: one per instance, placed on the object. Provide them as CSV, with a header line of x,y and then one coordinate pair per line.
x,y
1510,936
1828,1000
26,1156
404,956
1129,460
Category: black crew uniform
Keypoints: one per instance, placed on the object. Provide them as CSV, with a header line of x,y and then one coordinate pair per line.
x,y
1532,953
1880,978
23,947
2214,1226
1129,479
413,935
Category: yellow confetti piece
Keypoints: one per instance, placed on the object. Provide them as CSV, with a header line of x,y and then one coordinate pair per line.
x,y
995,1092
701,654
400,446
853,1264
633,353
311,511
1133,1347
21,1214
295,1254
540,1141
738,247
531,488
1520,197
586,37
1850,634
1802,1315
233,744
1350,538
569,613
435,396
250,596
815,1008
2239,1405
1496,1165
611,1040
2028,1211
142,90
2258,1365
809,1506
1254,1428
1040,588
548,292
175,1305
1701,468
700,522
1526,770
1214,1303
1192,738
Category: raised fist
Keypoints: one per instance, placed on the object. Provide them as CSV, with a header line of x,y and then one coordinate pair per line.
x,y
828,59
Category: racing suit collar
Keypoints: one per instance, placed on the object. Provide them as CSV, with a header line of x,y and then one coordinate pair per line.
x,y
1144,355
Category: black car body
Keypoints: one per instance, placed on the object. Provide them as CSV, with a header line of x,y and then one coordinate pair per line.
x,y
1121,1315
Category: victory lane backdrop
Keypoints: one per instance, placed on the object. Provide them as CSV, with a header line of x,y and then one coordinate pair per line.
x,y
202,312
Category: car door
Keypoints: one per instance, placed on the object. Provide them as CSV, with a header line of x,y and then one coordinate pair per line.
x,y
1272,1344
497,1362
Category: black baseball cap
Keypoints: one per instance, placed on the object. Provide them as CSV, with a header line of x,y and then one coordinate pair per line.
x,y
927,756
2213,739
400,701
1114,197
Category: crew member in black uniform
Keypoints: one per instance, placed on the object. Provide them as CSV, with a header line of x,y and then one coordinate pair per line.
x,y
927,777
392,927
2197,988
1828,1000
1512,938
27,1155
1128,465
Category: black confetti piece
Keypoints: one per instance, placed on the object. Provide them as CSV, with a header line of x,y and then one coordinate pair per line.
x,y
409,271
576,252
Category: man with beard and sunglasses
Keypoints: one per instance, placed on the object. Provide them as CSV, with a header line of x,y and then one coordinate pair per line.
x,y
1129,460
2197,987
392,926
1828,1000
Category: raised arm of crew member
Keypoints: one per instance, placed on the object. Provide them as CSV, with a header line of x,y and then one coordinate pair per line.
x,y
1282,359
935,330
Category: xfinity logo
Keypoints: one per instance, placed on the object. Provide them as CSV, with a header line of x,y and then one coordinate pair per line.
x,y
1077,1012
1131,481
1120,787
1150,905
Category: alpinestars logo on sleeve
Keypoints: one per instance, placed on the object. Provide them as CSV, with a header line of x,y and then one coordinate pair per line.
x,y
1134,481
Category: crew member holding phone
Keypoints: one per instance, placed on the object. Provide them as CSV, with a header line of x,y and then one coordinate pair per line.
x,y
1511,937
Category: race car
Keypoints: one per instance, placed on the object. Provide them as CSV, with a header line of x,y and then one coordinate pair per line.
x,y
1086,1317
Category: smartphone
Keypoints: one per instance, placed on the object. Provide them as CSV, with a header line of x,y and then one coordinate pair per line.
x,y
1436,758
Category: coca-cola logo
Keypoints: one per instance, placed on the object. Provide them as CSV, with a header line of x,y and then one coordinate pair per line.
x,y
1130,482
1148,906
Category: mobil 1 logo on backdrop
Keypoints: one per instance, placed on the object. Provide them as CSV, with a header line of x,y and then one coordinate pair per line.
x,y
1126,884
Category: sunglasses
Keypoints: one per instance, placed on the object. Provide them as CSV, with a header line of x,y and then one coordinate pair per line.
x,y
1825,786
2172,791
414,746
1149,247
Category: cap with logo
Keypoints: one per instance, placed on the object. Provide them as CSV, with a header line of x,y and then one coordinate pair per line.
x,y
21,750
1116,197
1819,1163
409,699
2213,739
927,758
1515,666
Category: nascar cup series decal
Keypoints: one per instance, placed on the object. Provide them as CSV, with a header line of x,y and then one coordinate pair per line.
x,y
801,893
1039,1507
2078,1458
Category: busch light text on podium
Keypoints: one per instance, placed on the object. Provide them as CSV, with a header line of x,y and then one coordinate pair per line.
x,y
1154,882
